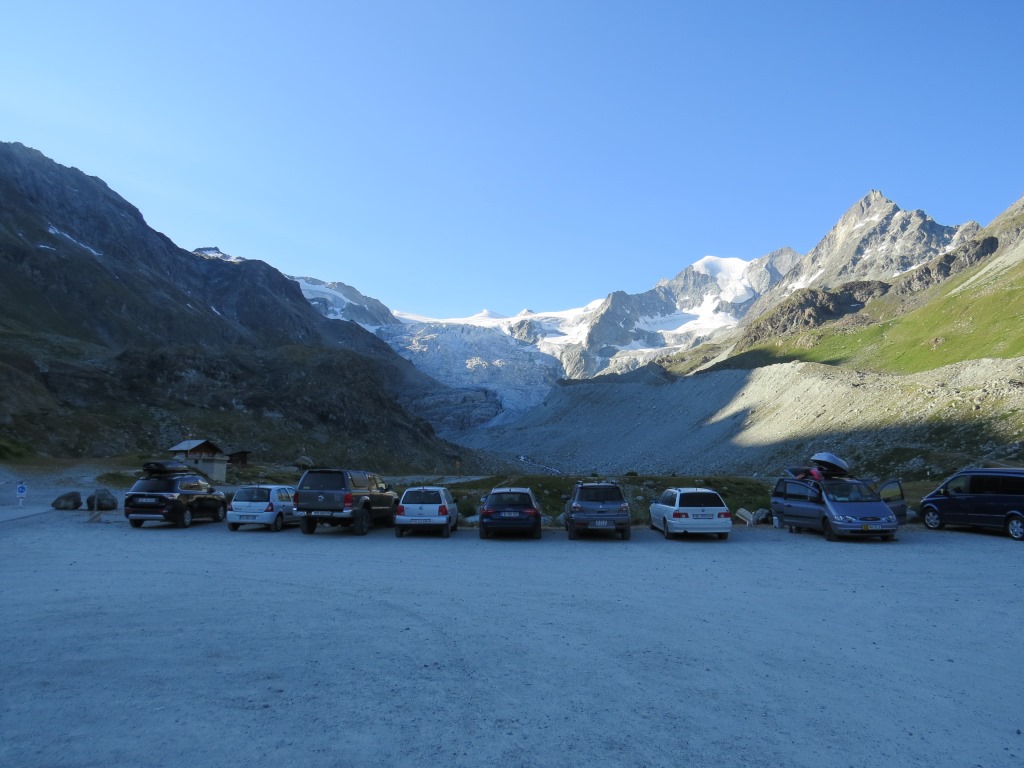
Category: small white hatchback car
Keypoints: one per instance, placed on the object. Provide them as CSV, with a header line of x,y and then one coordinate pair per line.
x,y
269,505
430,507
691,510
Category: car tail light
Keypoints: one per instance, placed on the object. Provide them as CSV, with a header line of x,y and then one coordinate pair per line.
x,y
725,514
442,510
400,509
486,511
270,507
677,514
347,501
530,512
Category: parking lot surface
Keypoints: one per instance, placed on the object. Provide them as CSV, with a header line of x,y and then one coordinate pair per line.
x,y
203,647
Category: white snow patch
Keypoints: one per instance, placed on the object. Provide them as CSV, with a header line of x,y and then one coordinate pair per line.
x,y
729,274
54,231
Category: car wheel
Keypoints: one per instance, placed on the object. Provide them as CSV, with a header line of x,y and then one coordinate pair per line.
x,y
1015,528
361,525
220,514
232,526
826,529
888,537
455,523
398,531
484,533
932,519
664,529
278,523
723,536
136,523
446,531
627,533
185,518
571,530
307,524
536,531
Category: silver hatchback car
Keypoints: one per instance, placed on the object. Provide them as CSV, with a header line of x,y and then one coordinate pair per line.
x,y
268,505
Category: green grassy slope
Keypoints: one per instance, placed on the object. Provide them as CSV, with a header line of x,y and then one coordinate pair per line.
x,y
955,325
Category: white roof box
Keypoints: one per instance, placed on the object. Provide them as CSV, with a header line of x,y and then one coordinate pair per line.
x,y
830,463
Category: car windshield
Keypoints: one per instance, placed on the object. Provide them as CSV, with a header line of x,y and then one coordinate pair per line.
x,y
849,492
421,497
154,485
702,499
610,493
510,499
253,494
323,481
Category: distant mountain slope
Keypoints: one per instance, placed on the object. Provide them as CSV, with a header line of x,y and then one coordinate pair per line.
x,y
760,420
113,339
707,303
962,305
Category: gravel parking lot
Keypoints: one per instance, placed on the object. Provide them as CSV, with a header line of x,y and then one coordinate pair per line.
x,y
201,647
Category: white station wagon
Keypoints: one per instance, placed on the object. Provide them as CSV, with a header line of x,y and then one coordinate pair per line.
x,y
429,507
691,510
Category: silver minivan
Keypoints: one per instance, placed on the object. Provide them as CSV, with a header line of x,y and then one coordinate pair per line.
x,y
825,497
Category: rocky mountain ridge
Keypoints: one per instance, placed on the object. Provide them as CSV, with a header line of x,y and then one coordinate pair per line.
x,y
874,242
113,339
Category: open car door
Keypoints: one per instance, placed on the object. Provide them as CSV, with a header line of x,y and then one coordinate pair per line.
x,y
891,492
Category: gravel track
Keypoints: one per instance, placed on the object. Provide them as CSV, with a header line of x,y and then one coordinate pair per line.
x,y
168,647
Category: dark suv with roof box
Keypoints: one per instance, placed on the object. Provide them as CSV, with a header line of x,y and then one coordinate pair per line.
x,y
171,492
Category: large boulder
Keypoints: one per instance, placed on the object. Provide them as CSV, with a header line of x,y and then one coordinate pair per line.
x,y
102,500
69,500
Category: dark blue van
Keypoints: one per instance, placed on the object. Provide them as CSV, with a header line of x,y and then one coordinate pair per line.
x,y
979,498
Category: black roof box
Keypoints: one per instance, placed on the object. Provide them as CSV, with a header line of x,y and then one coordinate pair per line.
x,y
165,467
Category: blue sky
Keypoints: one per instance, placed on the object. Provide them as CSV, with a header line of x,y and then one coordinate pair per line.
x,y
446,157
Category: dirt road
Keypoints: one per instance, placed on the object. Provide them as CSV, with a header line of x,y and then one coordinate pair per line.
x,y
202,647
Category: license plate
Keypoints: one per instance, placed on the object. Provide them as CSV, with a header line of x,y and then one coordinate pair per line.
x,y
703,517
600,523
866,527
419,520
510,514
247,517
145,500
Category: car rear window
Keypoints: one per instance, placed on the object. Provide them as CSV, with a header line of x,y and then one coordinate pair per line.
x,y
510,499
154,485
600,493
700,499
322,481
1013,484
253,494
421,497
